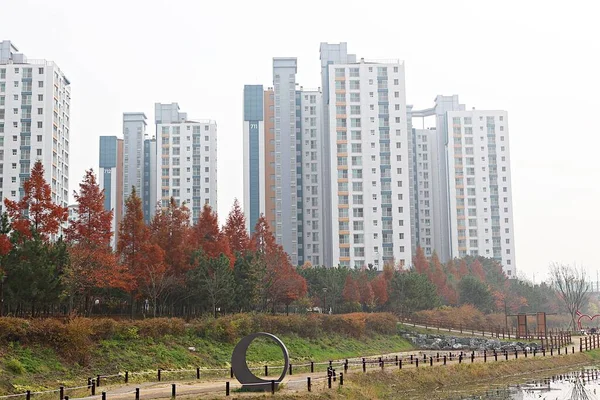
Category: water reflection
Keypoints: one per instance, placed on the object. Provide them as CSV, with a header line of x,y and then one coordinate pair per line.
x,y
584,384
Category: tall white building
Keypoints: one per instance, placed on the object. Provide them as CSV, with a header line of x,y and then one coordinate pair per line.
x,y
187,170
286,197
481,217
369,164
309,139
462,183
35,98
134,133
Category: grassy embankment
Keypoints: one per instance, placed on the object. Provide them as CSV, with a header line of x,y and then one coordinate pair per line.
x,y
41,359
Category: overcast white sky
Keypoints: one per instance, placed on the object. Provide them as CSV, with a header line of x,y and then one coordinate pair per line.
x,y
539,60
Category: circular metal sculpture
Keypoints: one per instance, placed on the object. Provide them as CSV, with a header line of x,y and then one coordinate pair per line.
x,y
240,368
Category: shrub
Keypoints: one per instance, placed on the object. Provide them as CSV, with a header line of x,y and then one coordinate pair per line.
x,y
346,324
78,340
157,327
384,323
51,332
15,366
13,329
104,328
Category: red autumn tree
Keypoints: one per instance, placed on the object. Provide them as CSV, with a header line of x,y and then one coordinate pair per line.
x,y
92,261
351,291
463,269
134,236
208,237
451,270
437,274
380,290
36,212
235,229
170,230
289,286
365,289
420,262
477,270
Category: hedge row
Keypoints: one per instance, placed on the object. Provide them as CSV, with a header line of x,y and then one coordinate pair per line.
x,y
81,332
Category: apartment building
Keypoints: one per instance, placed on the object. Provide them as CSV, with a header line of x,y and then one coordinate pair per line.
x,y
369,149
310,175
35,102
254,154
286,198
481,215
187,170
462,183
110,179
134,133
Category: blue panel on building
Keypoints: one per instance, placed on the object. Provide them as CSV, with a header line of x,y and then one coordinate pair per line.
x,y
253,103
254,158
108,151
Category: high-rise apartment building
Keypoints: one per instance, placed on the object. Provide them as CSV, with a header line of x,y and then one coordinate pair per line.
x,y
462,181
254,154
286,198
110,179
187,170
330,53
134,133
480,205
309,166
149,201
35,101
369,163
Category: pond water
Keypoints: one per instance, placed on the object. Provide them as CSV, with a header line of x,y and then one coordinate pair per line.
x,y
583,384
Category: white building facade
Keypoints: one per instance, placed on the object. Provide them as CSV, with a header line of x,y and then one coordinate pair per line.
x,y
134,133
309,137
35,101
286,197
187,170
481,215
370,164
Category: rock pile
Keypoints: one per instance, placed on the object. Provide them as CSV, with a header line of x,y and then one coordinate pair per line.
x,y
447,342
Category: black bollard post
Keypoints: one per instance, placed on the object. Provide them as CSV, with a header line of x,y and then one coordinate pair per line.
x,y
559,351
137,393
573,348
544,352
126,376
266,370
400,364
534,351
272,387
93,388
484,356
516,353
364,365
308,385
417,362
411,358
158,374
312,366
89,383
396,360
173,390
437,358
28,395
66,397
472,357
291,370
231,372
495,356
197,373
341,379
382,364
346,365
444,360
460,359
98,381
103,395
61,392
431,361
525,353
551,351
329,381
506,355
227,388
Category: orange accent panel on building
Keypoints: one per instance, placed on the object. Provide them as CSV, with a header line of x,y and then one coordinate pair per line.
x,y
269,125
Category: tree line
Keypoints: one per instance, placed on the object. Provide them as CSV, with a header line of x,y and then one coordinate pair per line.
x,y
172,267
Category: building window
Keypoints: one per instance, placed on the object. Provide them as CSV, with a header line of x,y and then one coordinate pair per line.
x,y
40,84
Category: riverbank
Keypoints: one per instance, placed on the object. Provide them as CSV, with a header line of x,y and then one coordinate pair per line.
x,y
448,382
